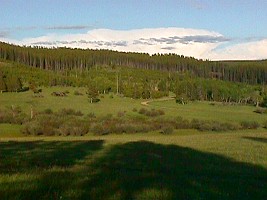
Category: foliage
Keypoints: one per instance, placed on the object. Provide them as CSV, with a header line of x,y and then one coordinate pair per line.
x,y
250,124
92,94
151,113
64,59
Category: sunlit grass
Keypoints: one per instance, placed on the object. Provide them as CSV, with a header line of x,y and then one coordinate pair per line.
x,y
142,166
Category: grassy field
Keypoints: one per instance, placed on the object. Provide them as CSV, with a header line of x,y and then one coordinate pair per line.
x,y
187,164
142,166
107,105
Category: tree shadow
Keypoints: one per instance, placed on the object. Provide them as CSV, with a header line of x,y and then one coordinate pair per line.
x,y
144,170
257,139
22,156
134,170
41,170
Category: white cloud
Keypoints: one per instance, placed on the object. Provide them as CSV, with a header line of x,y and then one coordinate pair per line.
x,y
244,51
189,42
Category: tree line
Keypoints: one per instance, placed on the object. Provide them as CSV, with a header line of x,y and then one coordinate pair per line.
x,y
79,60
133,83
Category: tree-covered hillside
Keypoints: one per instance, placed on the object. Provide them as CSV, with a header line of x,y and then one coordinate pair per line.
x,y
64,59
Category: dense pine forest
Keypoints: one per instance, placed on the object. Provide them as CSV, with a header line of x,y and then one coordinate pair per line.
x,y
63,59
133,75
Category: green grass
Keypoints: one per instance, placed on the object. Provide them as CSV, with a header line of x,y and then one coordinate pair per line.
x,y
142,166
10,131
207,111
187,164
107,105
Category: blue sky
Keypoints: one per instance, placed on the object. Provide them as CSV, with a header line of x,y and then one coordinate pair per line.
x,y
238,20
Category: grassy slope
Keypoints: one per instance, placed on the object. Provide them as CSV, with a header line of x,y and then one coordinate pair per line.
x,y
186,165
203,166
199,110
217,112
104,107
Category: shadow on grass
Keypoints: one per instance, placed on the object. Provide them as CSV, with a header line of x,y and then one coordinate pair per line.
x,y
144,170
135,170
22,156
41,170
257,139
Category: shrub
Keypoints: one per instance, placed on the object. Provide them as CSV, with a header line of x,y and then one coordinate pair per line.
x,y
181,123
43,125
202,125
31,128
167,130
121,114
48,111
142,111
195,123
99,129
250,125
91,115
74,127
161,112
260,111
69,111
151,113
134,109
265,124
13,115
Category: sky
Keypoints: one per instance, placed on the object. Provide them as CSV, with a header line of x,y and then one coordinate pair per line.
x,y
205,29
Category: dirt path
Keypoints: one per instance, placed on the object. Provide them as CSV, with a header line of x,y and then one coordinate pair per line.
x,y
146,103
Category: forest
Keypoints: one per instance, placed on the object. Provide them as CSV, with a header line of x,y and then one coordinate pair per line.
x,y
79,124
134,75
64,59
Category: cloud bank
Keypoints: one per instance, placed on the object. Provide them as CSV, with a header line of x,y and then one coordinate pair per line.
x,y
197,43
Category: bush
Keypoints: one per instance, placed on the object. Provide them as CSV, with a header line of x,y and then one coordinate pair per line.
x,y
265,124
134,109
48,111
195,123
167,130
43,125
142,111
13,115
121,114
91,115
99,129
69,111
74,127
250,125
181,123
151,113
260,111
161,112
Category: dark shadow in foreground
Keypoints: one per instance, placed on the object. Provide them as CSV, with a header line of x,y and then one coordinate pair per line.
x,y
49,164
257,139
144,170
135,170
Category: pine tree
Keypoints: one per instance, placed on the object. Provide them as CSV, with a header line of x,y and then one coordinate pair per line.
x,y
92,94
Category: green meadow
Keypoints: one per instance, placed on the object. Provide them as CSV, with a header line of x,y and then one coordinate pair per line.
x,y
112,104
187,164
184,165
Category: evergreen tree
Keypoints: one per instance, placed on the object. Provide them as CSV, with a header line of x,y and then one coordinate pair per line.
x,y
92,94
